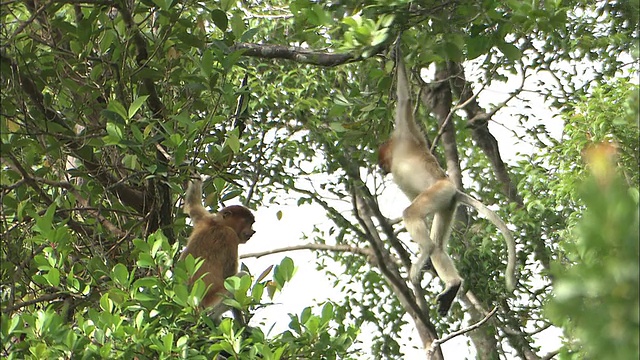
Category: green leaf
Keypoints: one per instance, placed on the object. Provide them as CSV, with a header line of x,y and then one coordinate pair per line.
x,y
476,46
337,127
44,223
117,108
249,34
136,105
130,161
162,4
510,51
379,37
139,319
233,142
121,275
227,5
167,341
237,25
327,312
452,51
106,304
145,260
206,64
245,283
157,245
257,291
141,245
41,280
181,294
16,321
53,277
107,39
284,272
220,19
114,131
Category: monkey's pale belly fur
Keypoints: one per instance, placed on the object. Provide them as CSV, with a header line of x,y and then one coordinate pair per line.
x,y
411,177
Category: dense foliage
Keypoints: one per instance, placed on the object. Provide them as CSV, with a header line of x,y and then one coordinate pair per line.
x,y
110,106
596,292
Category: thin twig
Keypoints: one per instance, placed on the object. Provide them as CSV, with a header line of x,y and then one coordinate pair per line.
x,y
436,343
450,116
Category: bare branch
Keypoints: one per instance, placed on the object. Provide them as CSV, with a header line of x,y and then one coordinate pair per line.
x,y
551,355
460,105
336,248
331,210
478,120
472,327
515,336
285,13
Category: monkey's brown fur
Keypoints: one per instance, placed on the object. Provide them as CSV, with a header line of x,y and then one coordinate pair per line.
x,y
215,239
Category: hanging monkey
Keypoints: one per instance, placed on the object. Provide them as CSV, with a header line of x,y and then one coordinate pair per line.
x,y
215,239
417,173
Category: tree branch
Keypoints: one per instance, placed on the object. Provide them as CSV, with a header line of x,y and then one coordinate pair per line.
x,y
26,23
551,355
306,56
437,96
478,122
324,247
17,166
43,298
436,344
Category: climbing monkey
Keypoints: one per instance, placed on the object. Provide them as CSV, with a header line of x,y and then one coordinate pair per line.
x,y
215,239
417,173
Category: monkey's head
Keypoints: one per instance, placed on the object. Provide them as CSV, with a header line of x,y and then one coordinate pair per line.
x,y
240,219
384,156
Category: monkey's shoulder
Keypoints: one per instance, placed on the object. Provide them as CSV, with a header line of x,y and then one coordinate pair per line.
x,y
214,233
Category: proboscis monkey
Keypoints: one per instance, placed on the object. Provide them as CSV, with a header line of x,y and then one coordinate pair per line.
x,y
215,239
417,173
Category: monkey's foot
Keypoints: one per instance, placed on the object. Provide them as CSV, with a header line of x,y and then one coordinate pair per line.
x,y
445,298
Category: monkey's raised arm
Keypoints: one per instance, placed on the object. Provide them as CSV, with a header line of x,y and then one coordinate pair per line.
x,y
406,126
193,201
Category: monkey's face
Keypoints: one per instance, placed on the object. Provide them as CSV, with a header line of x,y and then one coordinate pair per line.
x,y
246,232
240,219
384,156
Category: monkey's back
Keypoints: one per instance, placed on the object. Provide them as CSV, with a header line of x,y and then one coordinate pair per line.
x,y
217,245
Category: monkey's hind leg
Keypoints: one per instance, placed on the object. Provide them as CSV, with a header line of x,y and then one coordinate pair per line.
x,y
437,197
414,216
447,272
442,262
426,248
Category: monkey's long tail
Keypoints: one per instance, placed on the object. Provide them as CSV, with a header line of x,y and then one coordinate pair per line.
x,y
509,275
